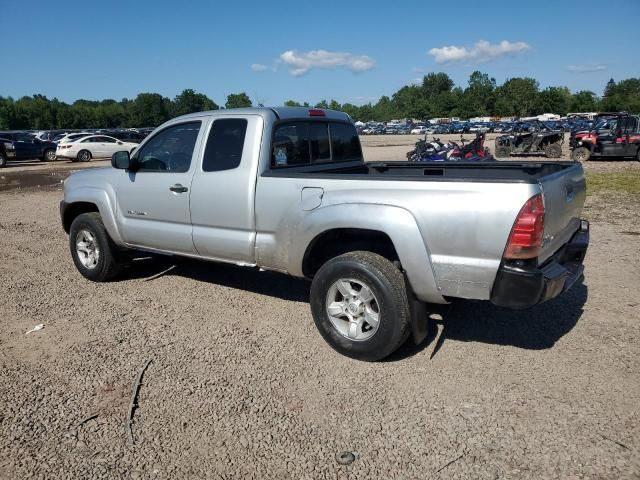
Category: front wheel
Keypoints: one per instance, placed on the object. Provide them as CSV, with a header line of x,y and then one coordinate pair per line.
x,y
49,155
3,160
360,306
581,154
93,252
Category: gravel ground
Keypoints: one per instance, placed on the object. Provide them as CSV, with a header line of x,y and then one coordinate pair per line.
x,y
242,385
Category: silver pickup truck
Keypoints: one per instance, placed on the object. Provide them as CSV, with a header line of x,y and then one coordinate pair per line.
x,y
287,189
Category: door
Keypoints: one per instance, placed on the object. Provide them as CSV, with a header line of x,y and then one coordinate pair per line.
x,y
153,201
222,197
628,127
110,145
26,146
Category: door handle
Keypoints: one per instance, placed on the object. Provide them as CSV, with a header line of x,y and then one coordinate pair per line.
x,y
177,188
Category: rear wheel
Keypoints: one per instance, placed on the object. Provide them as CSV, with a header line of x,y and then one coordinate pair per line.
x,y
84,155
581,154
3,160
93,252
360,305
49,155
553,150
502,151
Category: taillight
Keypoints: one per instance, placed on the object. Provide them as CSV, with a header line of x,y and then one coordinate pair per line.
x,y
527,232
316,112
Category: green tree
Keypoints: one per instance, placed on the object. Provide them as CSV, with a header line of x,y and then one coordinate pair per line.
x,y
148,110
237,100
321,104
434,84
411,102
584,101
189,102
517,96
292,103
478,98
385,110
554,100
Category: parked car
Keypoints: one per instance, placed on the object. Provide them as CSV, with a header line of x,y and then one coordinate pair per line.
x,y
286,189
72,137
28,147
7,151
92,146
421,130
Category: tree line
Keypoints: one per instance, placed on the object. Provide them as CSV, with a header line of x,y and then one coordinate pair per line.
x,y
436,96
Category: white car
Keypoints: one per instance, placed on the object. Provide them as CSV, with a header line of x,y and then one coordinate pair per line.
x,y
419,130
72,137
93,146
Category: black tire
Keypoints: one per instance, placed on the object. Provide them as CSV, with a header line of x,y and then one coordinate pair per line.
x,y
553,150
502,151
581,154
84,156
386,282
107,265
49,155
3,160
638,154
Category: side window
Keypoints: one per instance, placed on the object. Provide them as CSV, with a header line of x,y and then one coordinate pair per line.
x,y
319,142
170,150
107,140
87,140
290,145
345,142
224,145
630,125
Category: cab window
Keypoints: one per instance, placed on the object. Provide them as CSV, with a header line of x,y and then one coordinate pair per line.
x,y
170,150
224,145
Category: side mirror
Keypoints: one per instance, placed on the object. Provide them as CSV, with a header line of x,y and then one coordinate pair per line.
x,y
119,143
121,161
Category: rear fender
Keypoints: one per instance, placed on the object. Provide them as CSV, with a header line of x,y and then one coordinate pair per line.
x,y
397,223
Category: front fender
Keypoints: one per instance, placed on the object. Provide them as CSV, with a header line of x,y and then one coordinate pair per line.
x,y
396,222
101,199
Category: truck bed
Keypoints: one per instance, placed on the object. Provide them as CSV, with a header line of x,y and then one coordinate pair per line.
x,y
508,171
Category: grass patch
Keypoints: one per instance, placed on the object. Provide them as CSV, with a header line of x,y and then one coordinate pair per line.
x,y
627,181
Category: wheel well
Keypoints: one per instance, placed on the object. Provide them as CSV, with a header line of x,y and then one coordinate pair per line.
x,y
75,209
335,242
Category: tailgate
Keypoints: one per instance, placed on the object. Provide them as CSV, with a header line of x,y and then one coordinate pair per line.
x,y
564,194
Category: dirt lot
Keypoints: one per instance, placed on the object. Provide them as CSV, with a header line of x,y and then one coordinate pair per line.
x,y
242,385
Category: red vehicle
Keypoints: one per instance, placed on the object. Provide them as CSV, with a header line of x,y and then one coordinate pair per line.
x,y
622,139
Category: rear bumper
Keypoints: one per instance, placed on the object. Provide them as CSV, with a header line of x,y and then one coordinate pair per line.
x,y
522,285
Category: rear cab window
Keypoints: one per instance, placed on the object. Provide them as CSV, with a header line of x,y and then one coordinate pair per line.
x,y
304,142
225,144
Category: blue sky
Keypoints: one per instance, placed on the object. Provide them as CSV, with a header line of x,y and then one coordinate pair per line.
x,y
352,51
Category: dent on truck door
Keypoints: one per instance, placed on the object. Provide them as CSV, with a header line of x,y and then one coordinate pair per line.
x,y
153,202
222,198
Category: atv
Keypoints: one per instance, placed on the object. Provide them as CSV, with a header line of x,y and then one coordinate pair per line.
x,y
621,139
436,151
538,139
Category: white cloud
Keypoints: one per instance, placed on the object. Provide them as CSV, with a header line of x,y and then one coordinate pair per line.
x,y
258,67
300,63
586,68
482,51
